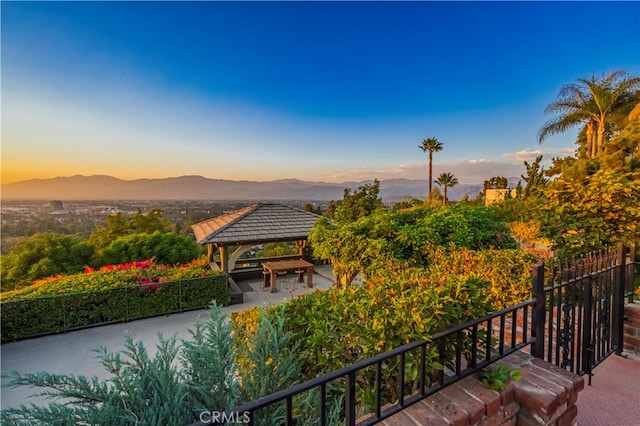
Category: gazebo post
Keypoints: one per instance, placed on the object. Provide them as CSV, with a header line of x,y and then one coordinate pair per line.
x,y
224,259
301,245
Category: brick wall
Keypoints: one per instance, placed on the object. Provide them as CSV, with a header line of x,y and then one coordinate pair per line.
x,y
632,329
546,395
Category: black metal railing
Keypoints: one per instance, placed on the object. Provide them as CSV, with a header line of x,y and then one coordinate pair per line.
x,y
581,308
574,320
461,351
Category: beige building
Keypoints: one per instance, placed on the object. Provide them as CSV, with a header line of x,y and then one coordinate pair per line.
x,y
493,196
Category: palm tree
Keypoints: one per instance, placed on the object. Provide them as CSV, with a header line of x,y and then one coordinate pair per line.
x,y
446,180
592,102
432,145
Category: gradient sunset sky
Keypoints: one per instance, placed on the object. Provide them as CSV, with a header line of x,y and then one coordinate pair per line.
x,y
322,91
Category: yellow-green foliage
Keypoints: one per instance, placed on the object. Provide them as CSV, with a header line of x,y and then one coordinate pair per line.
x,y
243,325
340,326
507,270
398,304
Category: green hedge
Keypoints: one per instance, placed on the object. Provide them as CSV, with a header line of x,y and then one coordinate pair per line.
x,y
26,318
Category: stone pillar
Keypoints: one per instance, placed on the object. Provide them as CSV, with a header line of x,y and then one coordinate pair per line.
x,y
632,329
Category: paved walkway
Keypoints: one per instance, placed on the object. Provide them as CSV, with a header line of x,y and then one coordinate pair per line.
x,y
613,399
74,352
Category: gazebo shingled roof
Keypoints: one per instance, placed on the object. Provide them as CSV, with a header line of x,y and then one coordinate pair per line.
x,y
257,223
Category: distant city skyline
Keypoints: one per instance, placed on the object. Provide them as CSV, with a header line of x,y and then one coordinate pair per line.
x,y
316,91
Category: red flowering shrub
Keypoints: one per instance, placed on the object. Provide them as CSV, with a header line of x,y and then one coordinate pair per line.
x,y
145,274
113,293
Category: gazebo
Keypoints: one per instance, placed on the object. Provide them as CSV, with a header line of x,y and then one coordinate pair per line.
x,y
257,224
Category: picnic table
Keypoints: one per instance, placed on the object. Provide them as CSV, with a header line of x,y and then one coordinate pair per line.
x,y
298,266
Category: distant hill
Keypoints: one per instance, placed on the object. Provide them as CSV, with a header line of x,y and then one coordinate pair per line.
x,y
201,188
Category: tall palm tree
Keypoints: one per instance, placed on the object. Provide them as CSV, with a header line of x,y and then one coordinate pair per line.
x,y
446,180
432,145
592,102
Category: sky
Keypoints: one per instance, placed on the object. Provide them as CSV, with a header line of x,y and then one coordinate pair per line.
x,y
317,91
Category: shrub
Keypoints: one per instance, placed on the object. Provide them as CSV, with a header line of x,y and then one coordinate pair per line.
x,y
163,248
362,246
340,326
507,271
130,274
43,255
112,294
178,385
173,387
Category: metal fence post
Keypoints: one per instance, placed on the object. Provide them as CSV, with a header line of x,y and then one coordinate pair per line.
x,y
350,399
539,312
588,332
631,272
618,299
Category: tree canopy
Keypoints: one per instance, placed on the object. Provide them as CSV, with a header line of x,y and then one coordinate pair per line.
x,y
166,248
586,201
118,225
601,105
356,204
402,236
44,255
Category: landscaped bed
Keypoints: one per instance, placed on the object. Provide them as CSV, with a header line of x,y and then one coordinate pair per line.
x,y
114,293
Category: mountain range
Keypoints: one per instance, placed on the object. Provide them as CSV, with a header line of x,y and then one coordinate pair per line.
x,y
101,187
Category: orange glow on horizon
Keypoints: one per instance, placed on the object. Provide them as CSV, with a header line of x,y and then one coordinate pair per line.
x,y
13,173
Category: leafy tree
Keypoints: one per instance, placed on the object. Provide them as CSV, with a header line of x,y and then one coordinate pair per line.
x,y
519,189
373,241
535,180
446,180
118,226
44,255
430,145
407,203
592,201
345,245
436,196
473,227
525,232
623,151
278,249
354,205
308,207
496,182
594,103
150,222
163,248
581,216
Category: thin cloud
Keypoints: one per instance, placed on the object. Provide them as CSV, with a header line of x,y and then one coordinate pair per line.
x,y
474,171
522,155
